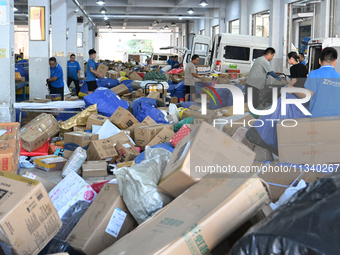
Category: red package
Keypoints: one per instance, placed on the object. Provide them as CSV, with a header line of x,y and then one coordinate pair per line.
x,y
181,133
52,148
42,151
141,75
175,71
98,186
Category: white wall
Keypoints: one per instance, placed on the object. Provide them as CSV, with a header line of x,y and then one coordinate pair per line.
x,y
21,40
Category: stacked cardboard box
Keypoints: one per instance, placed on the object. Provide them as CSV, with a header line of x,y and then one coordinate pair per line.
x,y
9,147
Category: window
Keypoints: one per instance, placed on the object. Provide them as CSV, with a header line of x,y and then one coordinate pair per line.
x,y
201,49
215,31
163,57
155,57
257,53
260,23
202,32
237,53
234,27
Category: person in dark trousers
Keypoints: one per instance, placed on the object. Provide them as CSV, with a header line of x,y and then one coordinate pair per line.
x,y
147,60
56,79
302,58
189,78
298,71
258,73
73,72
91,72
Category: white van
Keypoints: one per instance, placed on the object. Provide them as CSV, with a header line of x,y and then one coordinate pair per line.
x,y
160,59
315,48
228,51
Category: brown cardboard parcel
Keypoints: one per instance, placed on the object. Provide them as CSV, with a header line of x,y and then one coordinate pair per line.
x,y
231,127
311,141
134,76
112,74
102,69
134,126
205,150
33,140
143,135
120,90
102,149
28,218
94,232
195,111
122,118
46,183
199,219
72,140
95,119
149,121
44,122
94,169
162,137
126,151
10,148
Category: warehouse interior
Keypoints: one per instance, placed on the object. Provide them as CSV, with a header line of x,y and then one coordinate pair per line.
x,y
169,127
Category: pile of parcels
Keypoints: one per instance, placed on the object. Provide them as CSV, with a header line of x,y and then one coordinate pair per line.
x,y
176,188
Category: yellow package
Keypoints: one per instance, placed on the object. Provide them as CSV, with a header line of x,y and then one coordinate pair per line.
x,y
80,119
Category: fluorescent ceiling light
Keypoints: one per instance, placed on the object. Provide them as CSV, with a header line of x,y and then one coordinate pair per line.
x,y
190,11
103,10
100,2
180,17
166,27
203,3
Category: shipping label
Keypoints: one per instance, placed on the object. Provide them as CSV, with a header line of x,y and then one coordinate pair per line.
x,y
116,222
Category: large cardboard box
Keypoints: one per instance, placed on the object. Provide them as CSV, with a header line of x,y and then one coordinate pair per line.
x,y
46,183
102,149
69,191
9,147
204,150
33,140
102,69
106,221
143,135
73,140
94,169
134,76
44,122
28,219
95,119
136,58
311,141
120,90
79,128
195,111
199,219
203,69
154,94
134,126
149,121
122,118
49,163
163,136
126,151
112,74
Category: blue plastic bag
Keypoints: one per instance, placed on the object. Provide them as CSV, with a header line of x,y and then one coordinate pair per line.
x,y
23,72
268,131
178,90
167,146
127,83
143,110
188,104
84,89
107,101
107,82
146,100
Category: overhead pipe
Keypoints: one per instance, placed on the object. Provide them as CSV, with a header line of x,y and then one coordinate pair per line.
x,y
151,17
85,13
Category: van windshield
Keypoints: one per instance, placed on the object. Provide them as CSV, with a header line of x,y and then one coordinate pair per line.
x,y
201,49
237,53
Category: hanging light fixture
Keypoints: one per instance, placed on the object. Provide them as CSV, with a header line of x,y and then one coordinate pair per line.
x,y
108,25
173,24
180,17
103,10
110,28
190,11
203,3
166,27
15,8
100,2
105,18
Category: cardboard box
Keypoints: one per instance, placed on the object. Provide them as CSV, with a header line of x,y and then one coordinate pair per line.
x,y
67,154
102,149
126,152
44,122
203,69
181,133
195,111
135,77
69,191
262,154
154,94
163,136
28,218
9,147
33,140
112,74
173,100
95,119
144,135
205,147
120,90
73,140
90,236
136,58
49,163
122,118
134,126
312,141
46,183
240,136
102,69
149,121
79,128
231,127
146,68
198,220
125,164
94,169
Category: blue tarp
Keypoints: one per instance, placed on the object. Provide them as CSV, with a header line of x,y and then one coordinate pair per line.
x,y
23,72
127,83
142,110
107,82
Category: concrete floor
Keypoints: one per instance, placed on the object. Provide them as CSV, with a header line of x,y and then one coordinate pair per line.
x,y
56,177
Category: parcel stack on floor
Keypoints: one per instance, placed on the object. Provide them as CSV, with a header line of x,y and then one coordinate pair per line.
x,y
131,175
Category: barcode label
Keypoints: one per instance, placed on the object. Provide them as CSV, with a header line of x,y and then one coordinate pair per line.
x,y
31,176
116,222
